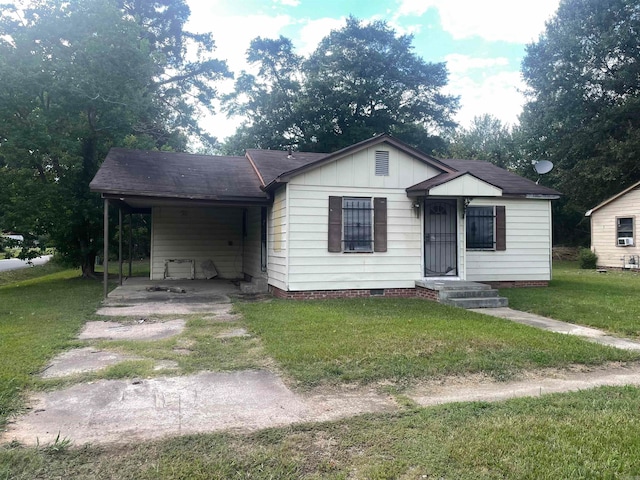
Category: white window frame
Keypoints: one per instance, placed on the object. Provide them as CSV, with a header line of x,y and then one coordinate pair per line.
x,y
350,245
493,227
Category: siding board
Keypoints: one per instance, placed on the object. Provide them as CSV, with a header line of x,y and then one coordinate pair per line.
x,y
200,234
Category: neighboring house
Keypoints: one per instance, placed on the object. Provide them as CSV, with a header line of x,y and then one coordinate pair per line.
x,y
13,236
614,230
370,219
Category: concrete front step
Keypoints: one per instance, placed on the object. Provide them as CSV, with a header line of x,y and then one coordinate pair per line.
x,y
451,294
464,294
451,285
485,302
257,285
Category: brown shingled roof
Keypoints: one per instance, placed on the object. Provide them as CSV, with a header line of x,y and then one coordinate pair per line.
x,y
273,163
177,175
510,183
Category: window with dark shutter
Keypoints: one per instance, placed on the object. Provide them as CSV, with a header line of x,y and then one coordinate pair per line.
x,y
486,228
501,228
335,224
379,224
357,226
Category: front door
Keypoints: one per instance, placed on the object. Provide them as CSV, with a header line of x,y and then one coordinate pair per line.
x,y
440,238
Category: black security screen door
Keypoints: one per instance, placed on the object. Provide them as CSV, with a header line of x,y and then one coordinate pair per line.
x,y
440,242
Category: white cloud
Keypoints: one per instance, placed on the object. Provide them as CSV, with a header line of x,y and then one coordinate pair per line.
x,y
516,21
288,3
233,33
458,63
498,94
314,31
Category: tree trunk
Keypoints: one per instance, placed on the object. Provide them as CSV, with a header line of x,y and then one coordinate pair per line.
x,y
88,266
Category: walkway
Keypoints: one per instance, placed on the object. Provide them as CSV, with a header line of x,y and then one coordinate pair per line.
x,y
122,411
551,325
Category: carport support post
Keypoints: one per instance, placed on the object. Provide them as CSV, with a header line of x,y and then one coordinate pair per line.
x,y
120,246
130,243
105,253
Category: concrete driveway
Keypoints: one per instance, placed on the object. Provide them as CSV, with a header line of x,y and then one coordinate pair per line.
x,y
122,411
16,263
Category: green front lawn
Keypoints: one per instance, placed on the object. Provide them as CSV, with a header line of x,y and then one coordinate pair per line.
x,y
402,340
588,434
41,310
610,301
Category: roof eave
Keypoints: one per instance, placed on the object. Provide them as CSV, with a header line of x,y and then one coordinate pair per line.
x,y
219,199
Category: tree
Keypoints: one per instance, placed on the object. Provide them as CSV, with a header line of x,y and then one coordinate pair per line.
x,y
361,80
488,139
78,78
270,100
583,111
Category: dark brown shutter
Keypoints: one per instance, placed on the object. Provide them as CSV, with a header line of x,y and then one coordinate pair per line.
x,y
335,224
379,224
501,228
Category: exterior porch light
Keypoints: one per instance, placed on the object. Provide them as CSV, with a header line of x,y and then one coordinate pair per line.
x,y
416,208
465,203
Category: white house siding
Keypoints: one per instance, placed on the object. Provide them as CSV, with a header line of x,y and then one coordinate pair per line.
x,y
528,242
466,186
252,264
277,240
604,229
313,267
198,234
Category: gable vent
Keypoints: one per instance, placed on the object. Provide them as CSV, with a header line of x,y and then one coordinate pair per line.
x,y
382,163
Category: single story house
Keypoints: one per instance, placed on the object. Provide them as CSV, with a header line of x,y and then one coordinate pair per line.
x,y
614,230
371,219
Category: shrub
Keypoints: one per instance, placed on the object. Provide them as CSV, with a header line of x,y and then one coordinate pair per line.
x,y
587,259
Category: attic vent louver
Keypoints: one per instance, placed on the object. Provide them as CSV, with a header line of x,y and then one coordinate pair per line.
x,y
382,163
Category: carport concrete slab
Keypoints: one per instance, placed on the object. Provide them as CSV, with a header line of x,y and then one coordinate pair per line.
x,y
141,290
134,331
83,360
110,411
162,308
551,325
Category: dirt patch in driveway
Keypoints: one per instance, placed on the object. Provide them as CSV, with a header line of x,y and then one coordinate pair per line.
x,y
136,331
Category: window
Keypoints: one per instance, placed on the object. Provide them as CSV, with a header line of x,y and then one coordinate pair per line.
x,y
382,163
624,231
485,228
358,228
357,224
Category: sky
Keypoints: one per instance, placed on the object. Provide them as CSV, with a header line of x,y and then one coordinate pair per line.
x,y
482,42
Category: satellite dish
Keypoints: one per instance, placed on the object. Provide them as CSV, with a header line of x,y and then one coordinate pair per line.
x,y
543,166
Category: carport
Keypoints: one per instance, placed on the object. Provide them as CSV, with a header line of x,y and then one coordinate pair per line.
x,y
208,213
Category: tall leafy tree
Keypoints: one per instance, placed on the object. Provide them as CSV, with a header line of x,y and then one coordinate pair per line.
x,y
363,79
488,139
269,100
583,111
78,78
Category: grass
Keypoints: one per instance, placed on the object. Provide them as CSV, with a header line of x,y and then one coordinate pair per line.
x,y
588,434
401,340
603,300
41,310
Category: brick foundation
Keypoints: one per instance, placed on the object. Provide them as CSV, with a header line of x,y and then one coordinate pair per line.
x,y
417,292
359,293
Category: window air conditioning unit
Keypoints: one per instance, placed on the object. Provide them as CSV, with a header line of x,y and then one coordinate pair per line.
x,y
625,241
